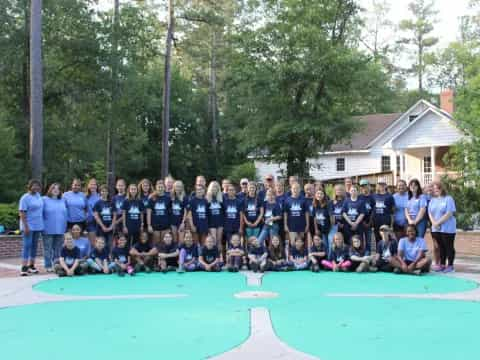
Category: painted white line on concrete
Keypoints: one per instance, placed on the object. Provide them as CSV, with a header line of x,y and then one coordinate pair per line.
x,y
9,266
253,279
263,343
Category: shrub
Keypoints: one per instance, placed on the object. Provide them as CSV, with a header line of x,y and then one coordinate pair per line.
x,y
9,216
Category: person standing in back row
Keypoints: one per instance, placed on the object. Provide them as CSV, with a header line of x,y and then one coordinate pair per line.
x,y
401,203
76,202
383,209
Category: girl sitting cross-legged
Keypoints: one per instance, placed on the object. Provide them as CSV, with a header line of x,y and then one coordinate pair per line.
x,y
210,259
69,261
235,254
361,262
257,255
276,259
188,256
298,259
317,253
99,258
339,257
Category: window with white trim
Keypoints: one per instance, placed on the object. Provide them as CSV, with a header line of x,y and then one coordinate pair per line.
x,y
386,163
398,164
340,164
427,164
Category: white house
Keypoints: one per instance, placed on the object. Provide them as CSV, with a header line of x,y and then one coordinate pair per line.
x,y
390,147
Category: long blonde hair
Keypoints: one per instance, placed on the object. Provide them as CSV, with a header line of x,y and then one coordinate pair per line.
x,y
181,195
334,245
219,196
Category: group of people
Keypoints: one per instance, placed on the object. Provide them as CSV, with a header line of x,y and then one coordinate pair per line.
x,y
146,227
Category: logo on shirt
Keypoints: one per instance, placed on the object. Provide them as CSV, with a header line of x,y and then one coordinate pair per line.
x,y
134,212
231,211
201,211
352,213
106,214
215,208
176,209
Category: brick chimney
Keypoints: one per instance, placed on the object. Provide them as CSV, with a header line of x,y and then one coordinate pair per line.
x,y
447,101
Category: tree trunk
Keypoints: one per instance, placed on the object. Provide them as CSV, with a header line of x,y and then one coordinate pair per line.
x,y
25,104
212,98
114,101
166,90
36,90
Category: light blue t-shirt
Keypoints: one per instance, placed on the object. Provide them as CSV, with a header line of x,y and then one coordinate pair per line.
x,y
415,204
91,201
84,246
54,216
411,250
32,205
76,206
401,202
438,207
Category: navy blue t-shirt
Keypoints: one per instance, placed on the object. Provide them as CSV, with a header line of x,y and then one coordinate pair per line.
x,y
161,207
353,209
309,203
167,249
105,210
232,208
369,206
142,247
191,252
134,210
256,250
296,209
70,255
322,218
198,207
117,201
339,254
383,208
316,249
336,209
102,255
145,199
240,195
252,208
297,254
271,210
215,214
210,255
178,211
120,254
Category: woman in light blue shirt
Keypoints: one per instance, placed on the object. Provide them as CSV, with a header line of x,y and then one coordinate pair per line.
x,y
399,219
441,211
92,198
416,207
55,220
76,205
31,224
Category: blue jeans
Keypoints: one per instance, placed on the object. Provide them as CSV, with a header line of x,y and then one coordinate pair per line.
x,y
422,228
30,244
52,245
368,240
267,232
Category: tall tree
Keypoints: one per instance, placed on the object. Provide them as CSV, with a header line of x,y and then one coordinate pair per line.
x,y
36,88
418,36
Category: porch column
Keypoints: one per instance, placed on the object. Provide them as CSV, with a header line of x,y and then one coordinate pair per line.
x,y
395,168
432,156
402,169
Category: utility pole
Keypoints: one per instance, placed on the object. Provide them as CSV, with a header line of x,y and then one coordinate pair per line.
x,y
36,90
166,89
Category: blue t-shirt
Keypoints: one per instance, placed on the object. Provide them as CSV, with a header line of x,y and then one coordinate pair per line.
x,y
91,201
387,250
210,255
339,254
411,250
322,218
232,208
105,210
76,206
252,208
145,199
369,206
271,210
117,201
69,255
240,195
383,208
296,209
256,250
414,205
215,214
54,216
309,204
298,253
191,252
161,209
438,207
336,209
353,209
32,205
280,199
198,207
316,249
134,210
401,202
84,247
177,211
120,254
99,254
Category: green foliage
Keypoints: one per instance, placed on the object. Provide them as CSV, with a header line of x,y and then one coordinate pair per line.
x,y
245,170
9,216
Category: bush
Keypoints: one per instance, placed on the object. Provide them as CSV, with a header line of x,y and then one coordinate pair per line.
x,y
9,216
467,202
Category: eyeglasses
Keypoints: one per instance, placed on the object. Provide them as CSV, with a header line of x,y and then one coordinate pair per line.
x,y
269,179
244,184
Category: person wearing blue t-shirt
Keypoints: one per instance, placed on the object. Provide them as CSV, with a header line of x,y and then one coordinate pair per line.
x,y
253,212
92,196
77,207
105,216
178,211
387,250
276,258
82,243
401,201
442,211
99,260
271,217
233,215
235,254
31,225
132,216
121,258
296,215
117,200
336,210
257,255
280,197
339,255
210,258
215,212
69,261
55,221
383,209
243,189
198,215
353,213
167,254
412,254
309,190
188,255
322,220
367,222
145,189
317,253
143,254
361,260
159,212
298,255
416,207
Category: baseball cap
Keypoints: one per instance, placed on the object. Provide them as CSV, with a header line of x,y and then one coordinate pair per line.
x,y
244,181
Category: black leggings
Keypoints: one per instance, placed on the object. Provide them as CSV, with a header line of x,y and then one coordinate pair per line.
x,y
445,246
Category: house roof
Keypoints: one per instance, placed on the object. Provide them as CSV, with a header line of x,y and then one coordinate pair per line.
x,y
373,125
